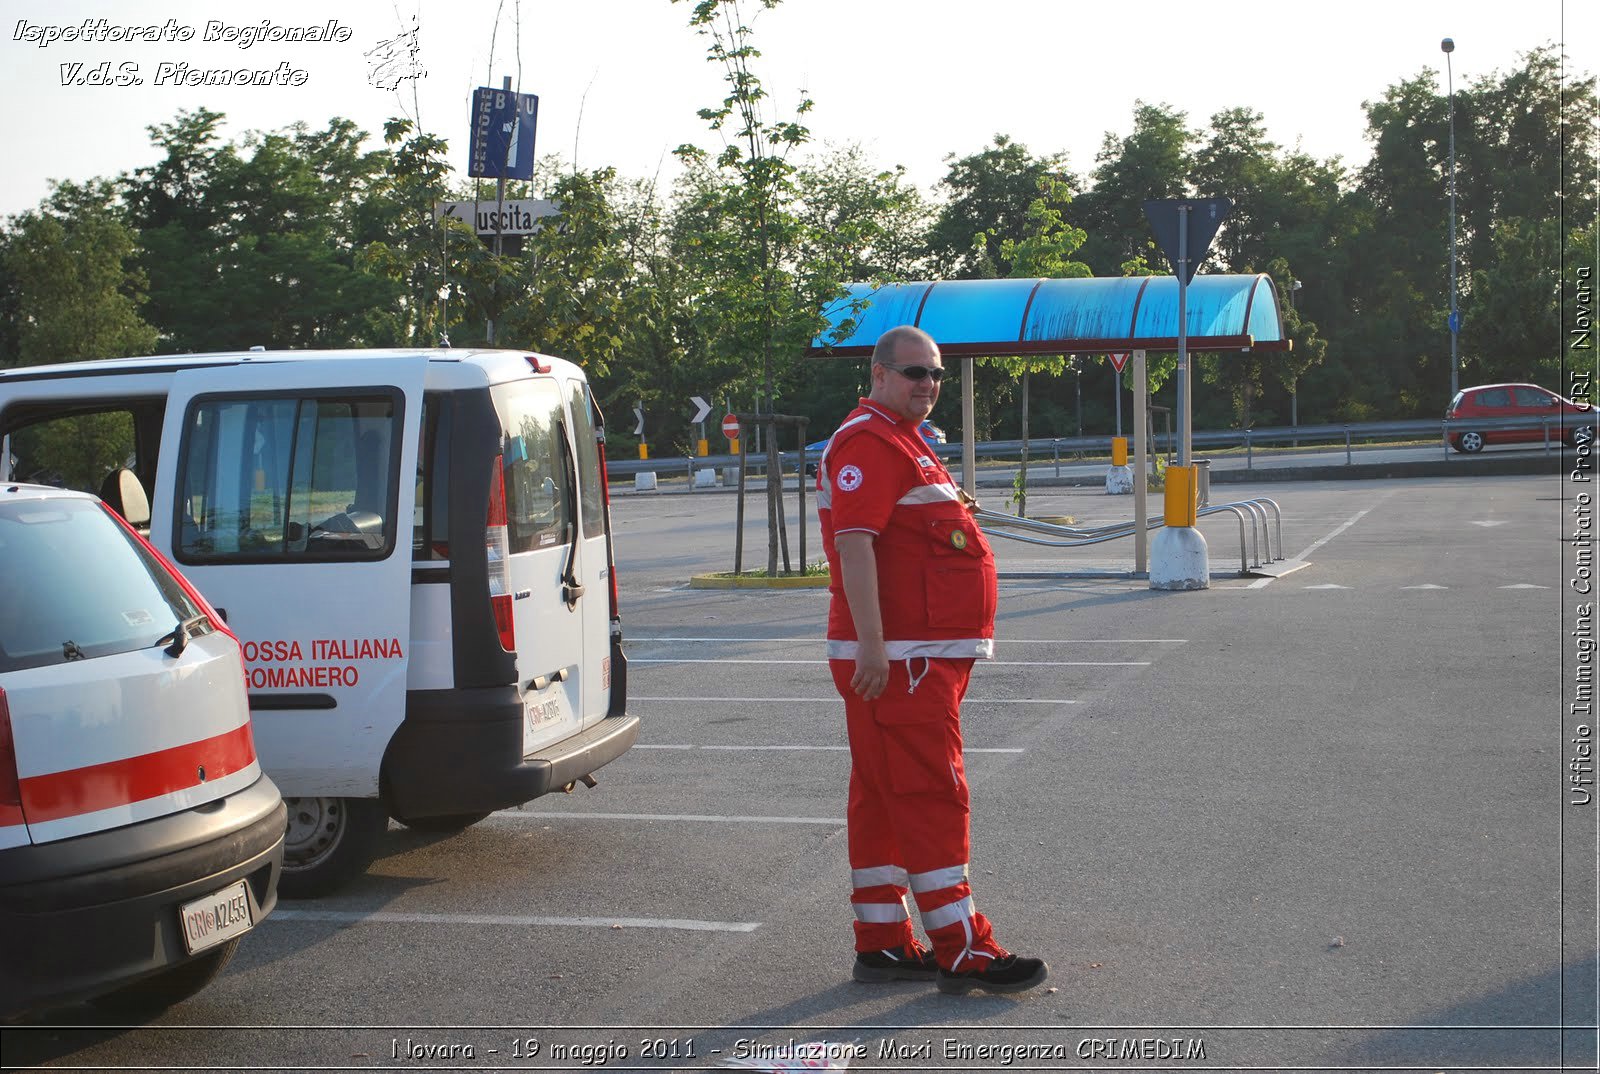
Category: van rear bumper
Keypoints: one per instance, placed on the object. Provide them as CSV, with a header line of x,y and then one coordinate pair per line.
x,y
460,751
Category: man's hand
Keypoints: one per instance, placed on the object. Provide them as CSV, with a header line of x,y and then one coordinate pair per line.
x,y
872,671
968,501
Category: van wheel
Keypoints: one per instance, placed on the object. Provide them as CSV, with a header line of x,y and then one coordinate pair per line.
x,y
1469,443
149,996
328,841
451,822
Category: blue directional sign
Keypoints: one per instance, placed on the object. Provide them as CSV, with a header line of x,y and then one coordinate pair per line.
x,y
503,125
1455,321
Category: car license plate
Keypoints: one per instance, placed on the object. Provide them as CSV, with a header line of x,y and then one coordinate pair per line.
x,y
215,918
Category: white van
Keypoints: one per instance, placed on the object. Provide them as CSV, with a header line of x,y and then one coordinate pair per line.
x,y
434,676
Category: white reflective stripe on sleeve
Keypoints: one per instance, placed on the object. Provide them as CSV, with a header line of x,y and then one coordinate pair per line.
x,y
892,875
935,879
880,913
953,649
930,494
825,494
948,914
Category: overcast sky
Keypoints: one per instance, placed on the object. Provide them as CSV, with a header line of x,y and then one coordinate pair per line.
x,y
620,81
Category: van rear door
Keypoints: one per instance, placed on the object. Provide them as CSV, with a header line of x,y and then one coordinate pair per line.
x,y
594,566
289,514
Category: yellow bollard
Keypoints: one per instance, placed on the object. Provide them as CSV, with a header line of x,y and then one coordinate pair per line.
x,y
733,446
644,451
1180,502
705,448
1119,451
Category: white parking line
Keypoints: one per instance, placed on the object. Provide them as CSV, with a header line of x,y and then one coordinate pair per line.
x,y
1261,583
393,917
998,641
986,663
828,749
517,814
835,698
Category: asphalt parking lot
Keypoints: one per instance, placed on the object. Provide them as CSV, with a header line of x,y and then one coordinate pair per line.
x,y
1312,822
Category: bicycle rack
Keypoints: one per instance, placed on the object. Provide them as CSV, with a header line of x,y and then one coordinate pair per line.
x,y
1250,547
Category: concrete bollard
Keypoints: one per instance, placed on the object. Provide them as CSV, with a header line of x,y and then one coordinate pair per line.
x,y
644,481
730,476
705,479
1119,481
1178,556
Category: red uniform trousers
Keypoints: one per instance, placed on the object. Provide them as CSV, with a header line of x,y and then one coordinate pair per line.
x,y
908,811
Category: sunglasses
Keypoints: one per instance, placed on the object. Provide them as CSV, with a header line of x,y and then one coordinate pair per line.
x,y
918,372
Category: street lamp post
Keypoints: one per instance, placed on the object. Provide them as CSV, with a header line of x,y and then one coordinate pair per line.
x,y
1447,46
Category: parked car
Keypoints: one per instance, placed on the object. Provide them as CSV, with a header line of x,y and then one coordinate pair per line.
x,y
1538,407
139,838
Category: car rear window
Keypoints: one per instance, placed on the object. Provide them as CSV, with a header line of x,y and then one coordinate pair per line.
x,y
75,585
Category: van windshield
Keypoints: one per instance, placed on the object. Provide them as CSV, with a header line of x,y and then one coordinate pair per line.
x,y
74,585
299,478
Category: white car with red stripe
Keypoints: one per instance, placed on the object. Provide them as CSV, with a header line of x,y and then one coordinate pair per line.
x,y
139,838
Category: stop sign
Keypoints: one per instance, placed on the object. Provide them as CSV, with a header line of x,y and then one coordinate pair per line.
x,y
730,427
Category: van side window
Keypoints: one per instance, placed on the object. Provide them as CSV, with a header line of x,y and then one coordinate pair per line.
x,y
300,479
430,530
531,418
593,496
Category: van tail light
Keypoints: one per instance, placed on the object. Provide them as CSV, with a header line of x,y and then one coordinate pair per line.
x,y
497,546
10,785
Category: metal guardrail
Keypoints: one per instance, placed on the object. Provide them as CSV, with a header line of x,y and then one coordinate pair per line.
x,y
1248,439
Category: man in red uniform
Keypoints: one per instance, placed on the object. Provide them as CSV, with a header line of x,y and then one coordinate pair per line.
x,y
913,605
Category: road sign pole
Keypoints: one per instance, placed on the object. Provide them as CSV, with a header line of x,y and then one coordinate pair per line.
x,y
1185,377
1140,466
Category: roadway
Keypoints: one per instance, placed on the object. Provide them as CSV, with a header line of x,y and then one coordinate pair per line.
x,y
1318,821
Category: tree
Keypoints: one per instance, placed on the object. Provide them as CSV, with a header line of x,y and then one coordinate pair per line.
x,y
1044,251
1154,161
76,298
989,195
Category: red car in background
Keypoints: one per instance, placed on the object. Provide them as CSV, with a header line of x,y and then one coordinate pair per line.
x,y
1536,407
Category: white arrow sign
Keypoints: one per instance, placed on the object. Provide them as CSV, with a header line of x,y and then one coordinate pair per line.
x,y
704,408
638,412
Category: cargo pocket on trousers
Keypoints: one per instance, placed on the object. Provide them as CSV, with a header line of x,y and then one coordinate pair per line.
x,y
923,750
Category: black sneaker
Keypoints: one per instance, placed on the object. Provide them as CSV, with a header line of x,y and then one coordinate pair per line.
x,y
1008,973
895,964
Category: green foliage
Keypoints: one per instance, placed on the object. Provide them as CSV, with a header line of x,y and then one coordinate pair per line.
x,y
75,294
989,196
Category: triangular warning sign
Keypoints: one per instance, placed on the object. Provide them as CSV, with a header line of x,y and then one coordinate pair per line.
x,y
1205,216
1118,360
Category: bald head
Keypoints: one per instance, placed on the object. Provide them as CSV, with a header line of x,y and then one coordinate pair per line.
x,y
884,352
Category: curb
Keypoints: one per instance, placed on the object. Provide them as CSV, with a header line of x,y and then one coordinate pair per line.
x,y
759,581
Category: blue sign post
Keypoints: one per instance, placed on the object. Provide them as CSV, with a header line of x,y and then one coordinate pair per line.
x,y
503,126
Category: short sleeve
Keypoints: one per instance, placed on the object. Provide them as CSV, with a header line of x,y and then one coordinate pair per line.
x,y
868,476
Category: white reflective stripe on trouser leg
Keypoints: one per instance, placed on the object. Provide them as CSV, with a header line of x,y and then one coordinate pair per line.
x,y
881,913
948,914
877,875
936,879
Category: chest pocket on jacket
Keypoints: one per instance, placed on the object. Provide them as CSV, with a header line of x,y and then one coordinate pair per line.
x,y
960,579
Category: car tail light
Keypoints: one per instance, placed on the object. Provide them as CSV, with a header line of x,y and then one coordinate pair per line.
x,y
497,546
10,785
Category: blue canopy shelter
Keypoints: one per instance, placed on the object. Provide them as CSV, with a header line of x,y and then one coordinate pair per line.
x,y
1075,316
1096,315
